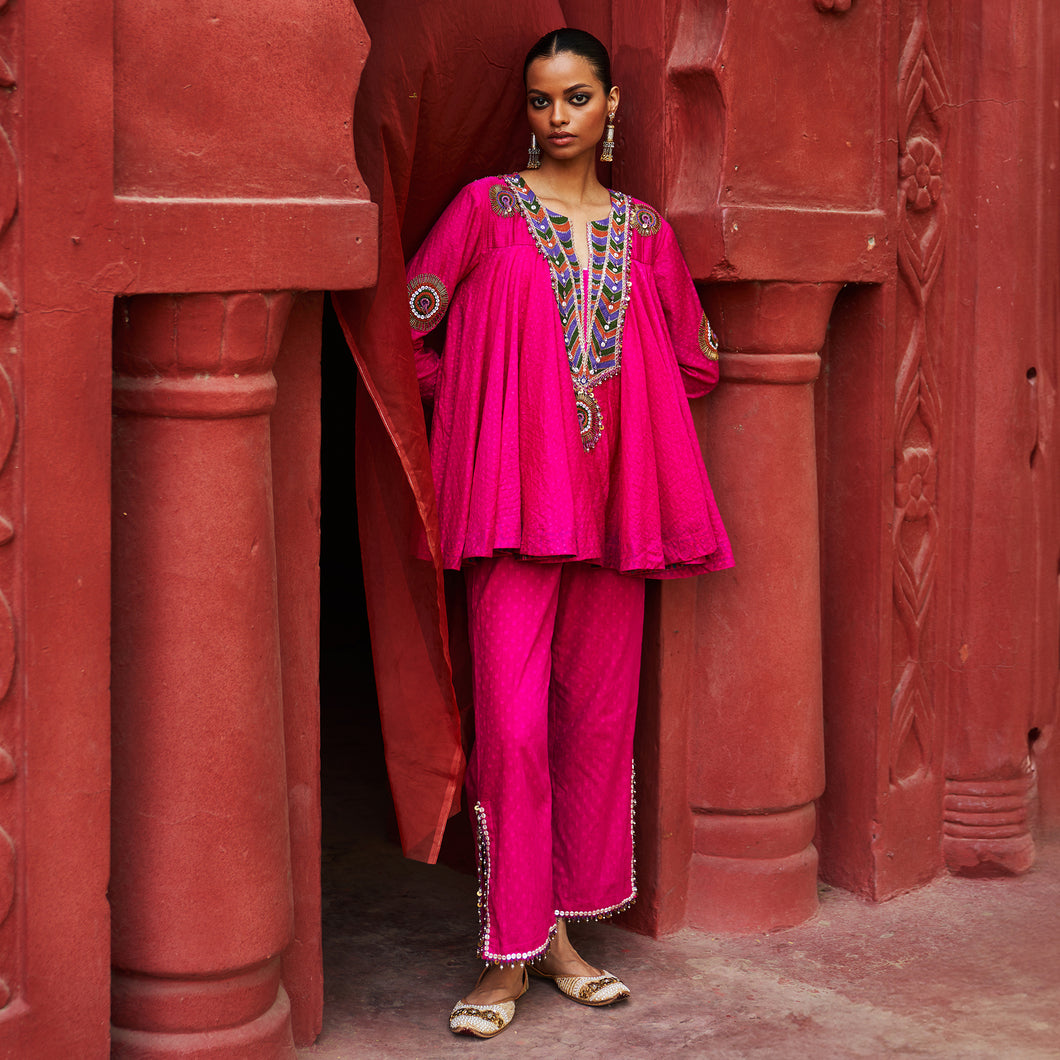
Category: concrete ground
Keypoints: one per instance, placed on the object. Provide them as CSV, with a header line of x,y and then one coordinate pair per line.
x,y
962,969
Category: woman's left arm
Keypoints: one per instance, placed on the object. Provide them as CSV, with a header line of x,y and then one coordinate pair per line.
x,y
692,336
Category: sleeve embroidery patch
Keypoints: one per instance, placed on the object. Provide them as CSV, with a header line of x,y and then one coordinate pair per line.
x,y
644,219
428,301
708,341
502,199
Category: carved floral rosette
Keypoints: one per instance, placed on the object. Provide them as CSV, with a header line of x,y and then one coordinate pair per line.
x,y
921,213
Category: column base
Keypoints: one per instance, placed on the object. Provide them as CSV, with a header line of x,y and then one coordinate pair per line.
x,y
754,871
268,1037
986,829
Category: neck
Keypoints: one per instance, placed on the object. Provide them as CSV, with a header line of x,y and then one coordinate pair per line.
x,y
574,181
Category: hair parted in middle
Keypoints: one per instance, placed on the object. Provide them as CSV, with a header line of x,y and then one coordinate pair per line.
x,y
576,42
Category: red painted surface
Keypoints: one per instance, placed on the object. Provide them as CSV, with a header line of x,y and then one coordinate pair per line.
x,y
200,854
131,186
901,631
1000,648
737,725
940,549
295,445
756,749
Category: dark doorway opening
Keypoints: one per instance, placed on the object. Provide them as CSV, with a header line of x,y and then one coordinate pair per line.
x,y
355,797
396,933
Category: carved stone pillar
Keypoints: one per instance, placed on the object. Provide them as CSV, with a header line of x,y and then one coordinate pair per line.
x,y
201,875
756,737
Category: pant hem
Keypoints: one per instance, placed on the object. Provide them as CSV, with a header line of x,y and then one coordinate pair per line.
x,y
598,914
484,939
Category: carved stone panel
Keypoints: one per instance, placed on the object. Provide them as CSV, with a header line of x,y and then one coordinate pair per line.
x,y
11,722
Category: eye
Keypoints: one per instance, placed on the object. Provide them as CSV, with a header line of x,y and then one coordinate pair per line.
x,y
579,99
539,102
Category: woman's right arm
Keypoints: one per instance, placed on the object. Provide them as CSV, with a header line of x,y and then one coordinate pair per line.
x,y
448,254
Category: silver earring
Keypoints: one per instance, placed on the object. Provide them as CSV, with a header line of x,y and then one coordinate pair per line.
x,y
607,152
533,160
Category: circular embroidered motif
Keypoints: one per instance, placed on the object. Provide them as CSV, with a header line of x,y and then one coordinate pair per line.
x,y
644,219
428,301
502,199
590,418
708,341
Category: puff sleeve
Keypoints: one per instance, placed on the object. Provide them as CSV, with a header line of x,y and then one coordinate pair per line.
x,y
693,338
447,256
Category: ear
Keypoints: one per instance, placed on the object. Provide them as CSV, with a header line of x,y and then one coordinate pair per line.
x,y
612,99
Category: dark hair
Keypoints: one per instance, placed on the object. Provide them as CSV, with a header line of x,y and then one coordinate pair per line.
x,y
577,42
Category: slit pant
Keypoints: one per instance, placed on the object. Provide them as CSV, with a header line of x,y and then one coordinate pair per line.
x,y
555,651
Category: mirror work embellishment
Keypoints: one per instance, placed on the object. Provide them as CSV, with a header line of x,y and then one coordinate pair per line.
x,y
645,220
708,341
591,302
503,201
428,301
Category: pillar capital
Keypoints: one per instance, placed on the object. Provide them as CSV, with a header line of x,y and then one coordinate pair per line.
x,y
766,317
203,356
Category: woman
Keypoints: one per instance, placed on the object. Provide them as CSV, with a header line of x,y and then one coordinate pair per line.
x,y
567,470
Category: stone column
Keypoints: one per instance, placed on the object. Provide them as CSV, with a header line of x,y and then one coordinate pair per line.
x,y
201,874
756,739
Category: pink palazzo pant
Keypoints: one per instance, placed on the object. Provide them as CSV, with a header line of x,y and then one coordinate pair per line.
x,y
555,651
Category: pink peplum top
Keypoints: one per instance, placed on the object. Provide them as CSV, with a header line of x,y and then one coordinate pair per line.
x,y
561,427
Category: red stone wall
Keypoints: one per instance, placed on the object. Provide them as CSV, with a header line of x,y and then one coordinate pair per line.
x,y
866,194
196,164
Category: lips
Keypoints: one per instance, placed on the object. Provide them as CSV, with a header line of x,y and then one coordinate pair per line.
x,y
561,138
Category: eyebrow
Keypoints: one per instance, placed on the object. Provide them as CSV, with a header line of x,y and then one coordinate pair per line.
x,y
542,92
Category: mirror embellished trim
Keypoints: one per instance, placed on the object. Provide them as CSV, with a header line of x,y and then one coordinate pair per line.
x,y
618,907
484,875
592,307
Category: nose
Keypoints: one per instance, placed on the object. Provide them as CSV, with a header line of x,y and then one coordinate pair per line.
x,y
558,115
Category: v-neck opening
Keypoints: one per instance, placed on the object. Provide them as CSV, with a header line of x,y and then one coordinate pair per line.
x,y
604,222
597,238
591,301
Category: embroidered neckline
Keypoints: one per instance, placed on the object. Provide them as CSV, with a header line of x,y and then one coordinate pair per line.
x,y
591,302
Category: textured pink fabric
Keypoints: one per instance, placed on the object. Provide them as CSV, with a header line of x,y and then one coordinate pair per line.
x,y
509,468
550,776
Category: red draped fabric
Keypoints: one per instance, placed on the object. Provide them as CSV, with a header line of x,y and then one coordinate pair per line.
x,y
440,103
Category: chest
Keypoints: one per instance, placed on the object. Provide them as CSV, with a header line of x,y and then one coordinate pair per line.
x,y
581,224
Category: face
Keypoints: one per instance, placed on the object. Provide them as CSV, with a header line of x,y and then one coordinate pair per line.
x,y
566,105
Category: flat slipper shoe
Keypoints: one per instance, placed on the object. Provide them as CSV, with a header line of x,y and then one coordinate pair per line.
x,y
485,1021
595,990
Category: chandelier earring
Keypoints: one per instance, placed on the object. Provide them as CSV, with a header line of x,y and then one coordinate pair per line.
x,y
533,159
607,152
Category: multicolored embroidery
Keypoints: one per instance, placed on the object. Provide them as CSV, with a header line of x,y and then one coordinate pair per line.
x,y
502,199
644,219
428,301
708,341
592,303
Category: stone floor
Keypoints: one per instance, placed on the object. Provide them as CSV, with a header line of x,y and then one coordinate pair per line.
x,y
962,969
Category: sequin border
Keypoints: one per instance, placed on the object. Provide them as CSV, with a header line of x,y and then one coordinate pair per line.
x,y
431,290
708,341
484,951
618,907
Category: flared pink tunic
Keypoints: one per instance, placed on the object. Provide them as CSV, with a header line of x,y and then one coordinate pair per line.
x,y
561,428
